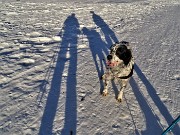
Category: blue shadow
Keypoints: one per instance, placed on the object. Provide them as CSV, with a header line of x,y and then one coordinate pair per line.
x,y
152,92
68,46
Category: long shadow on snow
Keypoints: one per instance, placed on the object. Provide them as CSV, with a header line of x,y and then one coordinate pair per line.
x,y
162,108
68,47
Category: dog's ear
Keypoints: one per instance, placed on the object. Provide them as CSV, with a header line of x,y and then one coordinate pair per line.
x,y
127,57
121,50
124,54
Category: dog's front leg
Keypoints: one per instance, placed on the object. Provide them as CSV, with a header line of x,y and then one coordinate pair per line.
x,y
106,79
120,95
123,84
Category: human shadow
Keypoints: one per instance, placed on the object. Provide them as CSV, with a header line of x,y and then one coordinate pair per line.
x,y
67,53
151,118
70,123
109,34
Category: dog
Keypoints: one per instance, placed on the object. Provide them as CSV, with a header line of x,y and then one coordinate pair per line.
x,y
120,66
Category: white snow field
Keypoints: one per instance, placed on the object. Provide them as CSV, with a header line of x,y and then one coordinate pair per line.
x,y
52,54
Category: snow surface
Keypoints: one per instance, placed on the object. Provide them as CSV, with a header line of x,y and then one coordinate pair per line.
x,y
53,52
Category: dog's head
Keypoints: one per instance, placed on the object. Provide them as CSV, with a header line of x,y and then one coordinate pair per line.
x,y
119,53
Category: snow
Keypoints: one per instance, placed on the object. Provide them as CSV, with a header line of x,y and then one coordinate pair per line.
x,y
52,54
27,61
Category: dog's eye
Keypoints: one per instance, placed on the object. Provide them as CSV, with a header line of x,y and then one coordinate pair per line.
x,y
112,46
112,50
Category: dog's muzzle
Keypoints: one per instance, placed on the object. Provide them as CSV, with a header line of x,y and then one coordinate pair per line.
x,y
111,64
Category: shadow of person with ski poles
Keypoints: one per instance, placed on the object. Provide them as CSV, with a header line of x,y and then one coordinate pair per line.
x,y
67,54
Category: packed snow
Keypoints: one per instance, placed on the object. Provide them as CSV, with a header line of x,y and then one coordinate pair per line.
x,y
52,54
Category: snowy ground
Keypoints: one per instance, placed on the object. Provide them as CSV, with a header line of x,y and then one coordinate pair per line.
x,y
52,54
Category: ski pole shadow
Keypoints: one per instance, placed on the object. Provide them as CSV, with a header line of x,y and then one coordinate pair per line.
x,y
152,92
108,33
67,53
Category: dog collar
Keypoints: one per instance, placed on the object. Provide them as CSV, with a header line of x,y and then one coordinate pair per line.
x,y
130,74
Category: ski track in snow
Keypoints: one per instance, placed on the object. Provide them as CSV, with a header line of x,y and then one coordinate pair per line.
x,y
53,53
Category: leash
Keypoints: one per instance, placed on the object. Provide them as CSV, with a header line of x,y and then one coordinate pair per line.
x,y
133,121
171,126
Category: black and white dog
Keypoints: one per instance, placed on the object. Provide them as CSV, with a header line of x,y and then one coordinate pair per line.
x,y
120,65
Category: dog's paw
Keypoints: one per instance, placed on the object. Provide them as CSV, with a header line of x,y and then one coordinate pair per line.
x,y
119,100
104,93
